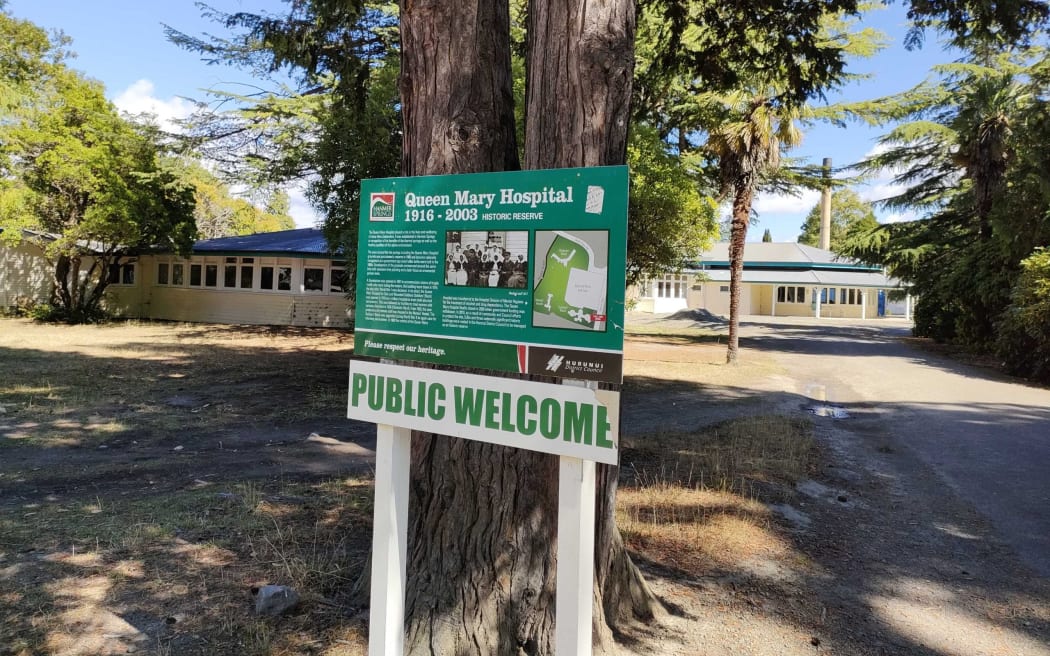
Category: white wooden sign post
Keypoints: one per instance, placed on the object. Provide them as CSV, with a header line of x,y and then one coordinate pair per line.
x,y
578,423
386,623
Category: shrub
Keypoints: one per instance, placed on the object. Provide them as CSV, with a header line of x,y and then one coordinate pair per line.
x,y
47,313
1024,332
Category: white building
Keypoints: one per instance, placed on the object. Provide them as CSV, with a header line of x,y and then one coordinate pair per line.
x,y
779,280
276,278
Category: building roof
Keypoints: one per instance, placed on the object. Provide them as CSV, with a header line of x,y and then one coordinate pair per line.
x,y
818,278
780,255
792,264
302,241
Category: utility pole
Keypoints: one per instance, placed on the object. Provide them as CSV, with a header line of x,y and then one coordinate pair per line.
x,y
825,207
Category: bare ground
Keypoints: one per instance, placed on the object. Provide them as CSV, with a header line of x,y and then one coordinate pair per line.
x,y
209,459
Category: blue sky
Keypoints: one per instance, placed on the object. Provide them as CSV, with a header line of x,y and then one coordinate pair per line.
x,y
121,43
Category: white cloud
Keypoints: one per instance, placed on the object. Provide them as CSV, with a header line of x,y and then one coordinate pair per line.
x,y
881,189
299,208
139,99
898,217
786,203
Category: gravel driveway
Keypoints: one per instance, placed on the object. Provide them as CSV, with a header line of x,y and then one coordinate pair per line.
x,y
928,530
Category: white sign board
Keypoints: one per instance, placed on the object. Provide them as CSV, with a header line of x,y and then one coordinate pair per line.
x,y
563,420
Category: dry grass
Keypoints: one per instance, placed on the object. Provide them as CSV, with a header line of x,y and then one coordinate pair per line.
x,y
181,566
64,385
172,570
670,358
695,503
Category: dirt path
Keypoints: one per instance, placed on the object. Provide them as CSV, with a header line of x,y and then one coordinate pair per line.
x,y
123,466
910,541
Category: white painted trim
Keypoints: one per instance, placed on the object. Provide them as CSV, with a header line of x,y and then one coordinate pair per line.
x,y
574,593
487,341
386,622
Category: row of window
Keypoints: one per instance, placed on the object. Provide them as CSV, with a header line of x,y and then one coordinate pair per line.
x,y
677,286
250,273
828,295
845,296
667,286
122,274
791,294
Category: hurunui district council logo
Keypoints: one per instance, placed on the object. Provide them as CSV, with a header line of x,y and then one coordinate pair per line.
x,y
381,207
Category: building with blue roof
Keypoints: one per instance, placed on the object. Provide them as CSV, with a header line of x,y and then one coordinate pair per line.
x,y
277,278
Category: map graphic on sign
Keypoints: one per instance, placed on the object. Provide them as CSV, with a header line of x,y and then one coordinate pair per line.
x,y
572,285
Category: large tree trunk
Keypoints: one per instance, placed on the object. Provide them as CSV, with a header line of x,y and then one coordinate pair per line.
x,y
457,101
737,238
481,557
578,95
481,569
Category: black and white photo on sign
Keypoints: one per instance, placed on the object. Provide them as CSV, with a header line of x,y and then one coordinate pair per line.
x,y
478,258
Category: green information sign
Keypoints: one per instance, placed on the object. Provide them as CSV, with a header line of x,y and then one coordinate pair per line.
x,y
520,271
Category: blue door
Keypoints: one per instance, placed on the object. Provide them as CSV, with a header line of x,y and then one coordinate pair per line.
x,y
882,302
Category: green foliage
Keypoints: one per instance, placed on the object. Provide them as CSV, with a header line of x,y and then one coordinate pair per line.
x,y
669,220
970,23
339,124
217,213
973,158
27,58
97,184
48,313
1024,332
767,237
849,215
689,46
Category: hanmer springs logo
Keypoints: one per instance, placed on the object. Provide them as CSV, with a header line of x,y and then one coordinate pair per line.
x,y
381,207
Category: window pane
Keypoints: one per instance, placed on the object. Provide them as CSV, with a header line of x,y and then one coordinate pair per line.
x,y
780,295
247,260
266,277
801,297
128,274
162,273
195,275
338,280
176,274
284,278
313,280
247,277
211,275
114,274
229,276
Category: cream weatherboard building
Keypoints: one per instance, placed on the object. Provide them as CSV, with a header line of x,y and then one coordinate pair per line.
x,y
276,278
779,280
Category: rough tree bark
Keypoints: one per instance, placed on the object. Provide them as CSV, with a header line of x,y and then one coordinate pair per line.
x,y
737,237
577,106
480,570
481,557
